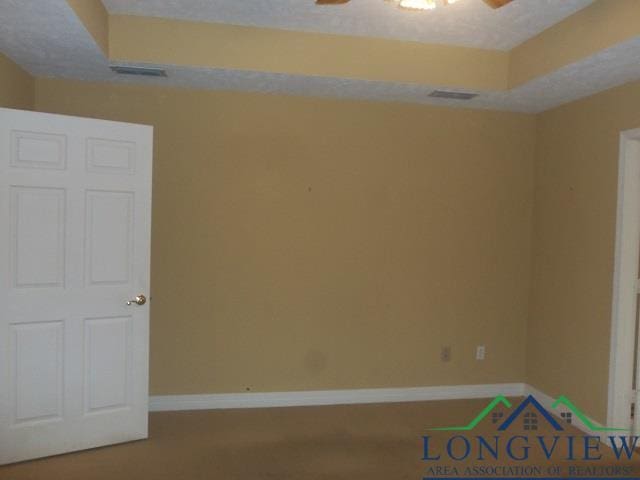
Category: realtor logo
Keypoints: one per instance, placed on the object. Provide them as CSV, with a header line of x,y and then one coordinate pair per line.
x,y
530,419
520,437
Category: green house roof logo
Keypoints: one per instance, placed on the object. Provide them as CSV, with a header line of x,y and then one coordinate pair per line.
x,y
531,402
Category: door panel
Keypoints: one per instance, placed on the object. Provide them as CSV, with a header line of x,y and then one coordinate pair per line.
x,y
38,150
107,363
75,202
110,156
109,237
37,366
38,243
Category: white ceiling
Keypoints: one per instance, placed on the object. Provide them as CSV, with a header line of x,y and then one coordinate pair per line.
x,y
467,23
47,39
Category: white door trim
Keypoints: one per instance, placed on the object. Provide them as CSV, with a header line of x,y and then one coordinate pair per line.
x,y
625,280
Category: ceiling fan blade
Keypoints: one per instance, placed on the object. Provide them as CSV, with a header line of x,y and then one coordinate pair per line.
x,y
497,3
331,2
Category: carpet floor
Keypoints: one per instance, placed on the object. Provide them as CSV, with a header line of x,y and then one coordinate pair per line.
x,y
378,441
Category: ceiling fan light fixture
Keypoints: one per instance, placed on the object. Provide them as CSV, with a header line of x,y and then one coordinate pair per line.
x,y
418,4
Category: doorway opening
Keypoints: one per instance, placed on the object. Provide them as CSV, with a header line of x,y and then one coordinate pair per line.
x,y
623,367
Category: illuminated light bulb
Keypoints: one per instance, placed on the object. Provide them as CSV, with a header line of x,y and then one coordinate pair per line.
x,y
418,4
450,2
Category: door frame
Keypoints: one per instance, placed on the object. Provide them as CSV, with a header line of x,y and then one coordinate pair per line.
x,y
625,281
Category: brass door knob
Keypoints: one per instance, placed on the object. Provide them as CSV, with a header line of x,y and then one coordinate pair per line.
x,y
139,300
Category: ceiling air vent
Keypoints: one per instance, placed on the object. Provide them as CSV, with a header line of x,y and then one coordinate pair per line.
x,y
144,71
453,95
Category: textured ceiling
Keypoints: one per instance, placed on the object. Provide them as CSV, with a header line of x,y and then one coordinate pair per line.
x,y
467,23
604,70
47,39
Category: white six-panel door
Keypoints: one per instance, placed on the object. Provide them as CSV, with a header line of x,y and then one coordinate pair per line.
x,y
75,215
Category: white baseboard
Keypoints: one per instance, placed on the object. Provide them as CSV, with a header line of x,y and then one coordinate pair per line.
x,y
162,403
331,397
216,401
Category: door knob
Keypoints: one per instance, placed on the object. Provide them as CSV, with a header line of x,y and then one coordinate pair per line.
x,y
139,300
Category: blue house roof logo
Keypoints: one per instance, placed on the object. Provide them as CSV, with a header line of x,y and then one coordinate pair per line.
x,y
530,401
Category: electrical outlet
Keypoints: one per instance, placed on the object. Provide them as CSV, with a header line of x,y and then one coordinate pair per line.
x,y
445,354
480,352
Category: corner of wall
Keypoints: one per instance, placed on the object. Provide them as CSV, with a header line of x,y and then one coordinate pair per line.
x,y
17,87
575,199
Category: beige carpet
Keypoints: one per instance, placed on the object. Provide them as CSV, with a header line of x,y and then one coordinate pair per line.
x,y
335,442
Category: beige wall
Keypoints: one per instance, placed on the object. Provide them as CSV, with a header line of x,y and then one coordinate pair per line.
x,y
313,244
304,243
593,29
137,39
575,214
16,86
